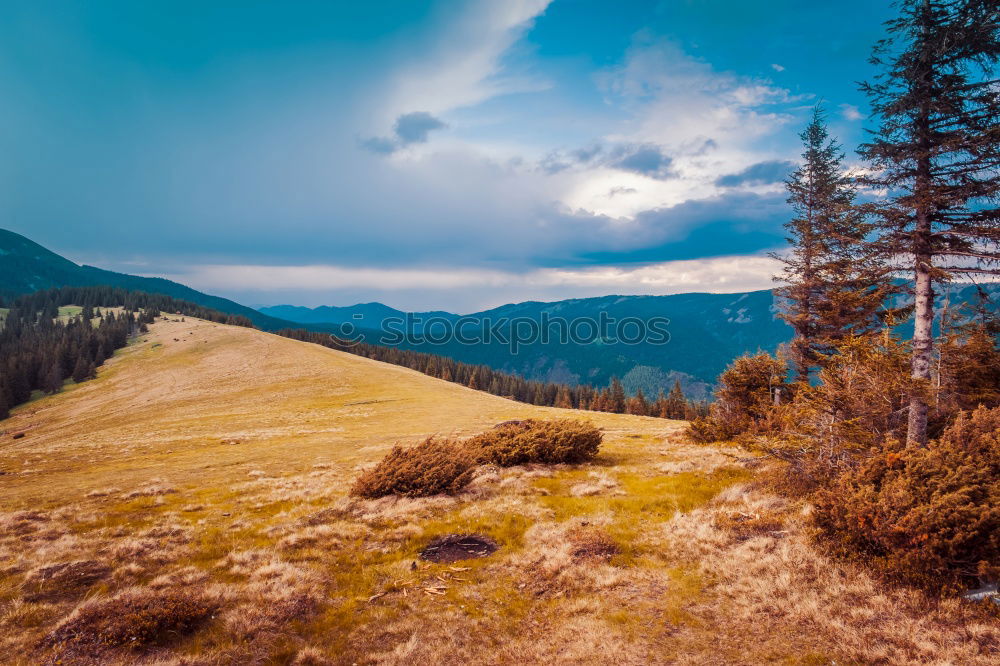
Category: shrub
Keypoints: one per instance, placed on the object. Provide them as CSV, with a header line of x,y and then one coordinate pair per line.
x,y
826,428
429,468
969,375
133,619
705,430
535,441
928,515
590,542
744,400
861,398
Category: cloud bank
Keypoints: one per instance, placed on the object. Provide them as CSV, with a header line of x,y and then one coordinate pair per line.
x,y
449,153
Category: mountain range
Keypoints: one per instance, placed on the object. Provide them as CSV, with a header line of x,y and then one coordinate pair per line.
x,y
705,331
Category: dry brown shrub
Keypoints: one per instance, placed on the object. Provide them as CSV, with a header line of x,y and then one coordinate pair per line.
x,y
928,515
590,542
134,619
63,579
310,656
744,400
432,467
536,441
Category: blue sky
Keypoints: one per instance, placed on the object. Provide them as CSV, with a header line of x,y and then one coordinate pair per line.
x,y
452,155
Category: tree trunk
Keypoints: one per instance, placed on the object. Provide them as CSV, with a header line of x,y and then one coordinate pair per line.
x,y
923,257
923,324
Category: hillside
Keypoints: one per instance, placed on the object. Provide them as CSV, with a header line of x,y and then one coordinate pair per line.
x,y
215,460
26,266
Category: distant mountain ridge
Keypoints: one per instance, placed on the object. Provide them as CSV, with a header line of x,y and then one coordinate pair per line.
x,y
707,331
362,312
26,266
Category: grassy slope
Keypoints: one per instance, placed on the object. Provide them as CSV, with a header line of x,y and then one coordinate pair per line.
x,y
216,458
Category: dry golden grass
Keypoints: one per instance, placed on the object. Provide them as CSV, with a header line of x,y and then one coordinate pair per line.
x,y
212,463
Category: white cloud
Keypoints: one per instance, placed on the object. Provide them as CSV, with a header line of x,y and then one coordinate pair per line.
x,y
851,112
464,68
778,68
707,122
719,274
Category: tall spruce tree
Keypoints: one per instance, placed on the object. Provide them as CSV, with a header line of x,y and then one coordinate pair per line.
x,y
615,400
834,285
936,154
676,402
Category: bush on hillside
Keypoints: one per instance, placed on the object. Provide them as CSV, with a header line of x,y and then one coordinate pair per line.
x,y
969,375
859,402
432,467
931,515
744,400
134,619
535,441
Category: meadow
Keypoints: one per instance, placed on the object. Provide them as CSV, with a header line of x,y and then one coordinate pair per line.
x,y
190,506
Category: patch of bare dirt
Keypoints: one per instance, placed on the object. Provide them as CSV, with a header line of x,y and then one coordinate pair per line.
x,y
455,547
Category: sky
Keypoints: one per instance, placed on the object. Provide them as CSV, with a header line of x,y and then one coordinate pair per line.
x,y
428,155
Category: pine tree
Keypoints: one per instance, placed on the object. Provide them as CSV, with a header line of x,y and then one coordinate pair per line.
x,y
637,404
937,154
615,401
834,285
564,399
82,369
675,403
53,380
659,406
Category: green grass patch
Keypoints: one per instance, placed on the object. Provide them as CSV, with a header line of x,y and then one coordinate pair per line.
x,y
137,513
67,312
646,500
649,499
507,529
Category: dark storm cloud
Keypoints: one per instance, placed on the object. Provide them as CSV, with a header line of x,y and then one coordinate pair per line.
x,y
762,173
410,128
414,127
380,145
734,223
582,155
646,160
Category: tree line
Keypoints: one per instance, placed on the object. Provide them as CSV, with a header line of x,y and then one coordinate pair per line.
x,y
39,351
673,405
